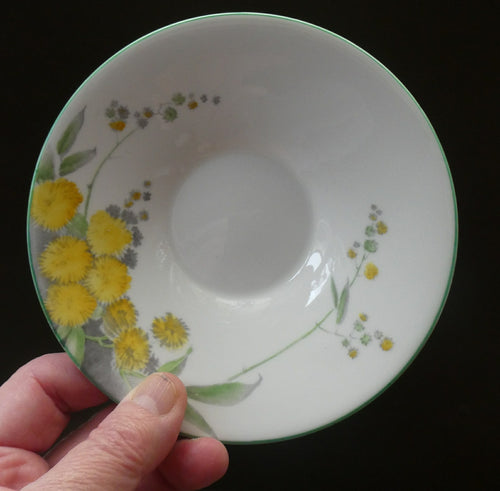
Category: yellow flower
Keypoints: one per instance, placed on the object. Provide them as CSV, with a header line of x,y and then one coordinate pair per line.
x,y
170,331
192,104
118,316
66,260
363,317
381,228
69,305
131,349
135,195
108,279
373,217
117,125
352,253
386,344
128,204
107,235
147,113
371,271
353,353
54,203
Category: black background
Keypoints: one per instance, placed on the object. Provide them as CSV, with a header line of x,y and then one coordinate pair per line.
x,y
437,426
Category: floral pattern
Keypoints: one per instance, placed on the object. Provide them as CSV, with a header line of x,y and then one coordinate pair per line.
x,y
87,262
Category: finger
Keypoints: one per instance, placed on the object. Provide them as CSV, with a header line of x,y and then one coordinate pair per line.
x,y
130,443
192,464
19,467
76,437
36,402
195,464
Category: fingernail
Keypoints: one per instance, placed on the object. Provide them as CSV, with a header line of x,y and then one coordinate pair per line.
x,y
157,394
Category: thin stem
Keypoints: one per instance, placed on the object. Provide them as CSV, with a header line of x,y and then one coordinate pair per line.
x,y
287,347
100,340
130,373
123,375
356,274
100,166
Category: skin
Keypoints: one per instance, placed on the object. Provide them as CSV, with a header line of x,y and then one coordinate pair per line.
x,y
133,445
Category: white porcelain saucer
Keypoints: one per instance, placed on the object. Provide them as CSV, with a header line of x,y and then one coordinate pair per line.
x,y
250,202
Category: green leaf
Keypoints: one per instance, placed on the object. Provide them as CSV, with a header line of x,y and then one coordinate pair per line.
x,y
370,231
98,313
170,114
335,295
75,161
195,418
178,99
75,344
70,133
358,326
78,226
45,170
365,339
175,366
63,331
221,394
371,245
344,296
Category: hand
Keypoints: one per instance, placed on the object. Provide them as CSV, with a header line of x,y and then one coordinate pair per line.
x,y
131,446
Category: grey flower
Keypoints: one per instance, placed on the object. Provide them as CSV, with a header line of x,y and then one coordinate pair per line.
x,y
136,236
152,365
123,112
142,122
113,210
129,217
130,258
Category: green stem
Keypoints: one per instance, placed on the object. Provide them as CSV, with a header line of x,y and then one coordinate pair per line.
x,y
100,340
356,274
287,347
124,374
99,167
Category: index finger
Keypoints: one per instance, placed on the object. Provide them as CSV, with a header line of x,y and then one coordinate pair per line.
x,y
36,401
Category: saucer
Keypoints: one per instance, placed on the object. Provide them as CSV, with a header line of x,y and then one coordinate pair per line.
x,y
252,203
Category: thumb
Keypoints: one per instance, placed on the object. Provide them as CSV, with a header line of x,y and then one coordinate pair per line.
x,y
130,443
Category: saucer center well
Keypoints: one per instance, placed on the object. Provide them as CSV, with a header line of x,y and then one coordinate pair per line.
x,y
240,224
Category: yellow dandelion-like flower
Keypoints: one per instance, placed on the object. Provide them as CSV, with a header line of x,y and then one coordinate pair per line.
x,y
69,305
373,217
147,183
118,316
107,235
54,203
148,113
144,216
353,353
65,260
363,317
117,125
108,279
352,253
128,204
371,271
386,344
131,349
192,104
170,331
136,195
381,228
